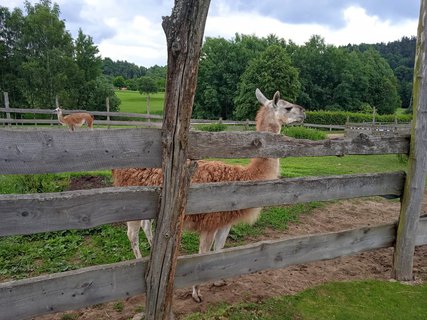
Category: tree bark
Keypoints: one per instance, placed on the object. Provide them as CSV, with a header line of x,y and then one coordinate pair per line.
x,y
184,34
415,181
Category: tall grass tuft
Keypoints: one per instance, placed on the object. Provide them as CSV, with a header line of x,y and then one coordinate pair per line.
x,y
304,133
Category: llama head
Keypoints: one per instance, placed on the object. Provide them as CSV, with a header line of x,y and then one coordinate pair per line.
x,y
277,112
57,110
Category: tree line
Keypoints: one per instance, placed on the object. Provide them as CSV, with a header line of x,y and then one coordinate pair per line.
x,y
315,75
40,61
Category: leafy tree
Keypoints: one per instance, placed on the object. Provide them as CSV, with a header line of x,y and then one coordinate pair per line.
x,y
39,60
270,72
48,51
119,82
147,85
222,64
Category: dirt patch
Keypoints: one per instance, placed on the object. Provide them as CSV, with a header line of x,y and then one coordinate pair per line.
x,y
333,217
88,182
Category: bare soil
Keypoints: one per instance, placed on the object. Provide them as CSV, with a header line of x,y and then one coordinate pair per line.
x,y
333,217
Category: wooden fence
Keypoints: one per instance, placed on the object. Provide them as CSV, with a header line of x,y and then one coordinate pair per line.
x,y
8,116
45,151
42,151
377,129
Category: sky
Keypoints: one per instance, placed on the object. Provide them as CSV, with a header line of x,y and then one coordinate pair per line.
x,y
131,29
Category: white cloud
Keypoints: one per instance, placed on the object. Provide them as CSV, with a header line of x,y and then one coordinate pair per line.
x,y
138,41
360,27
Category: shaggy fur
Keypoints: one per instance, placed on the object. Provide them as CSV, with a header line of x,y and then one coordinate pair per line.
x,y
215,226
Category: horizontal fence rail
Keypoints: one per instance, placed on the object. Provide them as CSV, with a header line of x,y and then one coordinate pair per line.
x,y
32,213
129,115
52,151
99,284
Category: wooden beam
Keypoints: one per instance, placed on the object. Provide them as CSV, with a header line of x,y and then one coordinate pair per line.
x,y
257,144
415,182
33,213
79,288
50,151
184,36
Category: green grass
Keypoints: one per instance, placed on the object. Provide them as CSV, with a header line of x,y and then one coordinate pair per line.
x,y
322,166
357,300
300,132
134,102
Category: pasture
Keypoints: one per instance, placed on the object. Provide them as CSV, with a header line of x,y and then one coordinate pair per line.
x,y
134,102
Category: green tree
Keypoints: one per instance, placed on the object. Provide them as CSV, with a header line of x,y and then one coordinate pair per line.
x,y
147,85
222,64
270,72
119,82
48,51
11,24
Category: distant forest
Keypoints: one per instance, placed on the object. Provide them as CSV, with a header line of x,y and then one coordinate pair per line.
x,y
315,75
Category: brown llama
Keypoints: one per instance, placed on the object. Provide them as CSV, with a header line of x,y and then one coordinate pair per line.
x,y
214,227
74,120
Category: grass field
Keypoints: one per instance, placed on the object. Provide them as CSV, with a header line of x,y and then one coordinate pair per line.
x,y
134,102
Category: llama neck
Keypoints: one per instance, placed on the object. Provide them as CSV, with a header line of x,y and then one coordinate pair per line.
x,y
264,168
266,121
60,117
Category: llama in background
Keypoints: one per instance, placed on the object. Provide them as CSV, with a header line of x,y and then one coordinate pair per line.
x,y
214,227
74,120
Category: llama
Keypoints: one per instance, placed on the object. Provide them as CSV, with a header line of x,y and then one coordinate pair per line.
x,y
214,227
74,120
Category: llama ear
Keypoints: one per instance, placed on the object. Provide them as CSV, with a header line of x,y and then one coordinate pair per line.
x,y
261,98
276,98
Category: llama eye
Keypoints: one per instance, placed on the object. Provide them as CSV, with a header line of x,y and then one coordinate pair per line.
x,y
288,109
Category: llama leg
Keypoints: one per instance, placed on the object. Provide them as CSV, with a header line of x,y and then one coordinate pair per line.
x,y
146,226
133,235
221,237
206,240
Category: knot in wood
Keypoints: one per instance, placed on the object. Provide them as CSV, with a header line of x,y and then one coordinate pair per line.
x,y
257,142
176,47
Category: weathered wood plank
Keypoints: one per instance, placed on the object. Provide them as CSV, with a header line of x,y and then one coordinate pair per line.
x,y
417,170
97,122
256,144
44,151
83,287
184,30
250,194
70,290
31,213
62,151
95,113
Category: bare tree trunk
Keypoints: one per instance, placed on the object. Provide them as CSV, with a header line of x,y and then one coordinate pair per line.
x,y
184,34
416,178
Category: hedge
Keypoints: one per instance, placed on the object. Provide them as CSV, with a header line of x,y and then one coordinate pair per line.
x,y
340,117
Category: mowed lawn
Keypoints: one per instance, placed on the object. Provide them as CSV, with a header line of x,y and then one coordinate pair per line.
x,y
134,102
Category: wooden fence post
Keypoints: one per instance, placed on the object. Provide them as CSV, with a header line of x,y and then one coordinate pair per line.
x,y
107,103
184,35
416,178
7,107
